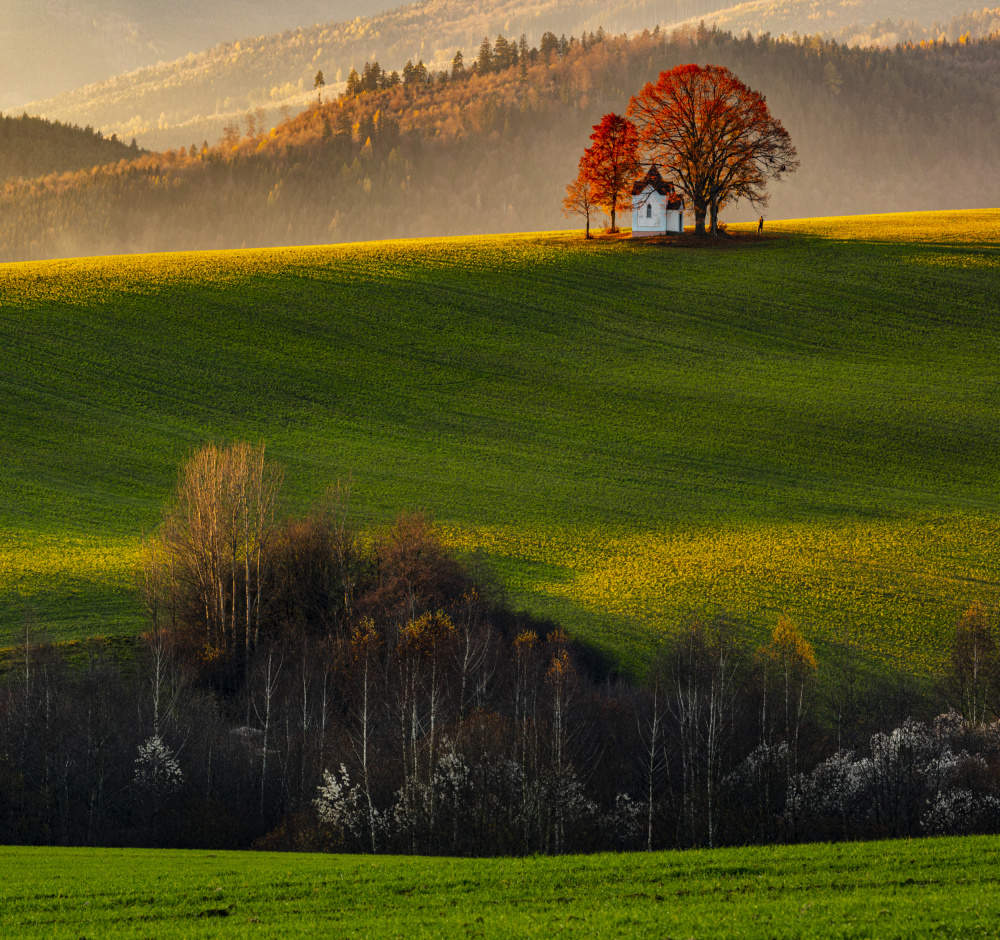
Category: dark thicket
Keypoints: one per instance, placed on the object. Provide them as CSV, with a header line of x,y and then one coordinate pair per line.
x,y
306,686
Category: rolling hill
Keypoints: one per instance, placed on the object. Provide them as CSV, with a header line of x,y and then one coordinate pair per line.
x,y
48,48
865,24
31,147
804,424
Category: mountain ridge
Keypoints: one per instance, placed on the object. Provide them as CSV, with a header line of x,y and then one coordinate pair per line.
x,y
194,97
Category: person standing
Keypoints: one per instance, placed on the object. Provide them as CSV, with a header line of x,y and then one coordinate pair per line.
x,y
760,225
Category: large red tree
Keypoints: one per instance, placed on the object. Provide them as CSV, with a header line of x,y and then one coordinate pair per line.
x,y
714,137
611,163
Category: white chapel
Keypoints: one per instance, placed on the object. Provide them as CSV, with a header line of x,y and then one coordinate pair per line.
x,y
656,208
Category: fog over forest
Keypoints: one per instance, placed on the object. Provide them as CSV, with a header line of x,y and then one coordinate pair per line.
x,y
175,81
48,48
492,151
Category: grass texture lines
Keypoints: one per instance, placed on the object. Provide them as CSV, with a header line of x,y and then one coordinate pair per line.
x,y
924,888
629,432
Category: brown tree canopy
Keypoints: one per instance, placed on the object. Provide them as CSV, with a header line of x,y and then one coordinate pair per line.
x,y
714,137
580,200
611,163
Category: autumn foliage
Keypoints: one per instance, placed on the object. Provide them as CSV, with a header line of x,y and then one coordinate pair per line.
x,y
713,137
611,164
580,200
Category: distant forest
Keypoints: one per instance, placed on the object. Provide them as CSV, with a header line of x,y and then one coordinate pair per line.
x,y
490,145
192,96
971,24
31,147
861,24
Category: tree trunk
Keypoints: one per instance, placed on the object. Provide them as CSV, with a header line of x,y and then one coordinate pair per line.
x,y
715,218
699,219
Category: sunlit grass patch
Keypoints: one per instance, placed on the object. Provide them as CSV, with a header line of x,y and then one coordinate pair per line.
x,y
807,427
64,586
965,226
896,585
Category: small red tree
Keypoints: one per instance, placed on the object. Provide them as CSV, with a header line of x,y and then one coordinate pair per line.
x,y
611,164
714,137
580,200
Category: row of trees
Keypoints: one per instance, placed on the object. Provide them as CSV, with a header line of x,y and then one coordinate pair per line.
x,y
496,58
304,686
713,138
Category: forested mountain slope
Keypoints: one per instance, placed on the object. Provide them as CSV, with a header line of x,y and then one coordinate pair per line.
x,y
877,130
171,103
31,147
49,47
867,23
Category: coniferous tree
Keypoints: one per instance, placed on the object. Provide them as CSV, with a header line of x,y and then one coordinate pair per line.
x,y
484,61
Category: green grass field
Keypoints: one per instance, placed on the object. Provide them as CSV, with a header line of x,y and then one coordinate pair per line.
x,y
807,424
925,888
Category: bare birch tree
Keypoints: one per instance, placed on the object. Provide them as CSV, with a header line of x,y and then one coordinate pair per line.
x,y
214,545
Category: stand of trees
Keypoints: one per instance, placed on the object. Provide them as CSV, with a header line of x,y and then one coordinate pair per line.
x,y
302,686
713,136
31,147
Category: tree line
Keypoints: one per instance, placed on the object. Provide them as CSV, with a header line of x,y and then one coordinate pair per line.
x,y
492,58
305,685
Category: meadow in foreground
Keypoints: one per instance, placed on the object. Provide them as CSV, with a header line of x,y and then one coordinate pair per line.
x,y
806,425
931,887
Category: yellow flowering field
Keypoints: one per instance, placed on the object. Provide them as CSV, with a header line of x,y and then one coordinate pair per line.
x,y
895,586
962,227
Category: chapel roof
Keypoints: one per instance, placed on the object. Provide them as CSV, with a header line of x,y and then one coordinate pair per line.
x,y
652,178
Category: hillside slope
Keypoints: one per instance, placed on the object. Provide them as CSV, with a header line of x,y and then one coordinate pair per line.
x,y
876,130
804,424
171,103
865,24
47,48
31,147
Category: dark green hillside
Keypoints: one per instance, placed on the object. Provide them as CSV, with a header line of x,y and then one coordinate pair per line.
x,y
31,147
804,425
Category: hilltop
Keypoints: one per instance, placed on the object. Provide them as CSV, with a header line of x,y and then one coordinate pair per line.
x,y
47,48
493,151
31,147
627,432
